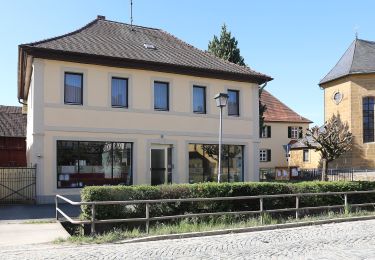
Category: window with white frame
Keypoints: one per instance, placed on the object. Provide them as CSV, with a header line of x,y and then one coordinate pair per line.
x,y
265,155
266,132
295,132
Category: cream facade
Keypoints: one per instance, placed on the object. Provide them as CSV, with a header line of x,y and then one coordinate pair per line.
x,y
278,142
51,120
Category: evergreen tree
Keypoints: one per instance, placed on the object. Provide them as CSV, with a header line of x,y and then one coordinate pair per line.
x,y
226,48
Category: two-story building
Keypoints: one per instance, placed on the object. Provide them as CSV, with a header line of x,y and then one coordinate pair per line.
x,y
283,127
112,103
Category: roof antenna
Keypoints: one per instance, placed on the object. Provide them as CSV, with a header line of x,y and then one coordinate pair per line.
x,y
131,14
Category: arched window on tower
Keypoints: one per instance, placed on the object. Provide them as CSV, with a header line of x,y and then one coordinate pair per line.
x,y
368,119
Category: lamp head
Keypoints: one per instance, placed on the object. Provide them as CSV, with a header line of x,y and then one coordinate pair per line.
x,y
221,99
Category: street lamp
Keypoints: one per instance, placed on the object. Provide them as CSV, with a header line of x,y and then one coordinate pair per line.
x,y
221,101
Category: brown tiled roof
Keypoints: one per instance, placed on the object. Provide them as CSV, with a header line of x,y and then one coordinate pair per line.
x,y
277,111
119,41
12,122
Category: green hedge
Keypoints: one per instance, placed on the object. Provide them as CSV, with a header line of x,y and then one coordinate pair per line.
x,y
206,190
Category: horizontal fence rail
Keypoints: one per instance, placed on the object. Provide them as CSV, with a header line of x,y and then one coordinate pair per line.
x,y
93,220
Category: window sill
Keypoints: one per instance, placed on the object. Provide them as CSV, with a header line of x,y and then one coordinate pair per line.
x,y
74,104
126,107
161,110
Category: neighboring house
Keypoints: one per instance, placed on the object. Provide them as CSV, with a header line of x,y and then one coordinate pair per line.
x,y
302,157
282,126
112,103
349,91
12,137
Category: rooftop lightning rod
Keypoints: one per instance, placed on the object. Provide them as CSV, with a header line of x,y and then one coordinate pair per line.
x,y
131,14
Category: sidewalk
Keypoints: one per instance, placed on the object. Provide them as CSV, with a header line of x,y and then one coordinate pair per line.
x,y
32,224
16,234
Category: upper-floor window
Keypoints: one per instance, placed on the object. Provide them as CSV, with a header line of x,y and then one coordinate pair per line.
x,y
119,90
73,88
295,132
265,155
368,119
306,155
161,96
233,103
199,99
266,132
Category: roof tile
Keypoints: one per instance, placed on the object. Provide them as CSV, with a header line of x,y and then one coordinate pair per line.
x,y
278,112
12,121
120,40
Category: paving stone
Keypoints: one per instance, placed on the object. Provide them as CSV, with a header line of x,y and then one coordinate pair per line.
x,y
350,240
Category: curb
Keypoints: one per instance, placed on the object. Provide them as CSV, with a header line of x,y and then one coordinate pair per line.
x,y
245,230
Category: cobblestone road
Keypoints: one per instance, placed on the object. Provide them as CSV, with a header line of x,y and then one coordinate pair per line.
x,y
351,240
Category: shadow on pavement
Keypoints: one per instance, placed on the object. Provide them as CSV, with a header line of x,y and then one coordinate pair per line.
x,y
30,212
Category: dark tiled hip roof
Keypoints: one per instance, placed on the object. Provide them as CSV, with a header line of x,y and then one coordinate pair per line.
x,y
359,58
103,38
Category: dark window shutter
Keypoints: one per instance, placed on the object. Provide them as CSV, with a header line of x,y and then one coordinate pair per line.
x,y
269,155
260,132
289,132
300,134
269,131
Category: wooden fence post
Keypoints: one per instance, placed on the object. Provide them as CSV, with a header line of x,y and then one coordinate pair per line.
x,y
297,206
261,210
93,213
147,218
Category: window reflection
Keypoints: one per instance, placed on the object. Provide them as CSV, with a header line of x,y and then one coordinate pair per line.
x,y
93,163
203,163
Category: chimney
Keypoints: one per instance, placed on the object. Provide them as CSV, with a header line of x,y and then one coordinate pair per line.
x,y
100,17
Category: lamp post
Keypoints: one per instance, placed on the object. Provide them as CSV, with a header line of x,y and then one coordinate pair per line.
x,y
221,101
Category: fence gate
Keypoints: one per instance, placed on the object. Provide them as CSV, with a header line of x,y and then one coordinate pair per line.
x,y
17,185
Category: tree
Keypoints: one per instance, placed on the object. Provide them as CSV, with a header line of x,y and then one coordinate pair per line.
x,y
332,140
226,48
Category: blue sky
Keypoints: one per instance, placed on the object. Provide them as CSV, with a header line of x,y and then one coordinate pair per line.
x,y
295,42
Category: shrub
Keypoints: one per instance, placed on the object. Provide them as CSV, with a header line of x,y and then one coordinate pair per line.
x,y
209,190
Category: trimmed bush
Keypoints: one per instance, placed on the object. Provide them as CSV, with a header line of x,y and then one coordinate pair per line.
x,y
209,190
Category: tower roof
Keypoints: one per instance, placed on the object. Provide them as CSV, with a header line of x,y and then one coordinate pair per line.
x,y
359,58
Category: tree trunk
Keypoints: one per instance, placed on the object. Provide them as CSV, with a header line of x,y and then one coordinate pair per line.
x,y
324,170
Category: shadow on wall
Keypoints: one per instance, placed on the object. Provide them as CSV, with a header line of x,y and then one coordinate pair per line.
x,y
355,158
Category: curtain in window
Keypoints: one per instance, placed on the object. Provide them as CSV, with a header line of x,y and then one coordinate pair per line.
x,y
119,92
73,88
161,96
199,99
233,102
